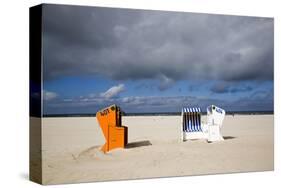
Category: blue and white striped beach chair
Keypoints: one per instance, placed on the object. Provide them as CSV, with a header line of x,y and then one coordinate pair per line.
x,y
192,127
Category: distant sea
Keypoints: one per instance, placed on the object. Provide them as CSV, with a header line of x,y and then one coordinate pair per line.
x,y
161,114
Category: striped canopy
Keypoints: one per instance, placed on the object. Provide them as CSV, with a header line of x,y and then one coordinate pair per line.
x,y
191,109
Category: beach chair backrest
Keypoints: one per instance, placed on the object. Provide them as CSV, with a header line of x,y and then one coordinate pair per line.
x,y
215,115
191,120
110,121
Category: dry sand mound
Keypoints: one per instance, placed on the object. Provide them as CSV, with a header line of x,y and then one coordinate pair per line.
x,y
93,153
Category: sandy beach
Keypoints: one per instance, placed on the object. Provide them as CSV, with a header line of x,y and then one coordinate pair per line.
x,y
70,149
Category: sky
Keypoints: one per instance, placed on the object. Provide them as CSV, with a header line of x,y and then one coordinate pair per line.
x,y
154,61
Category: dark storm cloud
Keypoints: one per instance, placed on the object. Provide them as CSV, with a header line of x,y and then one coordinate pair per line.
x,y
241,89
221,87
230,87
259,101
124,44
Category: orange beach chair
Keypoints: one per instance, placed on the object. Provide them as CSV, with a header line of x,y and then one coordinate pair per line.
x,y
110,121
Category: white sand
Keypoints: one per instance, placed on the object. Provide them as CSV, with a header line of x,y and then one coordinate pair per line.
x,y
70,149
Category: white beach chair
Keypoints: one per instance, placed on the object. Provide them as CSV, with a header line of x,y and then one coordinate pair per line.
x,y
194,128
215,116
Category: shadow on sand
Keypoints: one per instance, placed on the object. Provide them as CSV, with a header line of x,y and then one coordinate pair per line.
x,y
138,144
228,137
